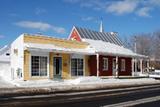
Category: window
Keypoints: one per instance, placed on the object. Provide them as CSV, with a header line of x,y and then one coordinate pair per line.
x,y
123,65
77,67
39,66
15,51
105,63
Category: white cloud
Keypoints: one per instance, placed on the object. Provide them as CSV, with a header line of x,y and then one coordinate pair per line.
x,y
39,11
122,7
144,12
87,18
2,36
40,26
72,1
155,2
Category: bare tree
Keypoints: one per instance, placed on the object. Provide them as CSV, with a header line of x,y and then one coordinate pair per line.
x,y
146,44
143,43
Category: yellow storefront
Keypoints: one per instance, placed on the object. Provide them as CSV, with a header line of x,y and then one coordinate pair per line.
x,y
50,58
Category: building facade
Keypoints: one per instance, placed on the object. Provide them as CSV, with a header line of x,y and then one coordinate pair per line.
x,y
84,53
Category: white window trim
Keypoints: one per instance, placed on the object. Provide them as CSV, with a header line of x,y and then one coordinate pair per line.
x,y
104,65
30,67
123,61
78,57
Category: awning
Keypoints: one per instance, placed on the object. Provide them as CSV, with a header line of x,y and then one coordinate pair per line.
x,y
54,48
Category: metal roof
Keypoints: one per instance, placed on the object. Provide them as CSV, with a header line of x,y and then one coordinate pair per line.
x,y
104,36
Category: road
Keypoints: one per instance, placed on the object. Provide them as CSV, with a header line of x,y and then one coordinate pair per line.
x,y
132,96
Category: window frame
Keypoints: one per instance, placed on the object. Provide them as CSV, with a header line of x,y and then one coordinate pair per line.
x,y
40,66
77,61
30,64
105,64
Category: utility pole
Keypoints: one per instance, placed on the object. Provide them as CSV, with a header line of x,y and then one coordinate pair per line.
x,y
135,50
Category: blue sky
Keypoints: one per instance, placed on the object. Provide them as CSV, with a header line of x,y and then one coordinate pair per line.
x,y
56,17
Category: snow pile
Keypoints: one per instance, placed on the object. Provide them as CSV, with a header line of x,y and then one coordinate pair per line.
x,y
79,80
5,84
36,83
128,81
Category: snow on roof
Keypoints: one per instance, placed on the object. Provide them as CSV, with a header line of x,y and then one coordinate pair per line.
x,y
4,58
110,48
54,48
95,46
5,49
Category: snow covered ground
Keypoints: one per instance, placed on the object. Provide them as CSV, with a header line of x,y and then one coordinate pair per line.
x,y
5,84
90,81
82,81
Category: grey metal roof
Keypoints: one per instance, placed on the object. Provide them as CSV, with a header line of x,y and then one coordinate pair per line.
x,y
104,36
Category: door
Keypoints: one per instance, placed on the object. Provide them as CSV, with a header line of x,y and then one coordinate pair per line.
x,y
57,67
114,66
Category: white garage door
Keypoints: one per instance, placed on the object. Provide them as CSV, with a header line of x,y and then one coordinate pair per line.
x,y
5,70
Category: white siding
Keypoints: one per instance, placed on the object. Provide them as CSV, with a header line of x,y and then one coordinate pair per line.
x,y
17,60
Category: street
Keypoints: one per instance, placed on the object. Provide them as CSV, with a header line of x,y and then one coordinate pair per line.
x,y
131,96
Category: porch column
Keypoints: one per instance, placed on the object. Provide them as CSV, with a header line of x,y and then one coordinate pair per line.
x,y
141,66
97,56
133,63
117,67
148,65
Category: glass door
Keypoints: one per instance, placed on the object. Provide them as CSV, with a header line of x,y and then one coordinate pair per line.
x,y
57,67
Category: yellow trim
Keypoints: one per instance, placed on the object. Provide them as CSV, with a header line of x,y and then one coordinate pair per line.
x,y
66,66
87,72
51,65
26,64
55,41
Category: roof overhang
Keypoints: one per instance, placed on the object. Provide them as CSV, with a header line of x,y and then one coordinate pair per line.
x,y
58,49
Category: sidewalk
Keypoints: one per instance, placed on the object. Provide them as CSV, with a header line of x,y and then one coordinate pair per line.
x,y
80,81
79,84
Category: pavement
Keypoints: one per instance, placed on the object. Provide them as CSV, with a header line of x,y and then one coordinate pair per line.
x,y
126,96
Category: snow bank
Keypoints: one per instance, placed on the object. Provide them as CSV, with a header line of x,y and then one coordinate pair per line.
x,y
5,83
79,80
36,83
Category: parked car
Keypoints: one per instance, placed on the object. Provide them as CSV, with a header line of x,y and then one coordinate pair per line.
x,y
155,74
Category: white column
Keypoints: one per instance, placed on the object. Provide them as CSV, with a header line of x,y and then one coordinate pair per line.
x,y
135,62
116,66
97,56
133,66
141,66
148,65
